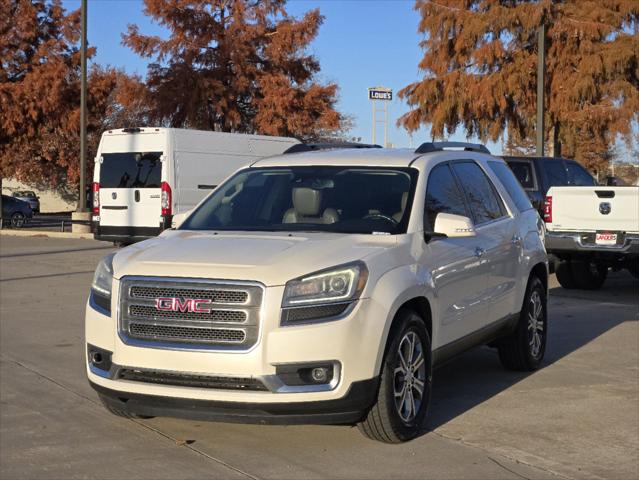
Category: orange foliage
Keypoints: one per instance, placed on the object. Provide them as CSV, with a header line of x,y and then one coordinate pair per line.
x,y
237,66
40,94
480,71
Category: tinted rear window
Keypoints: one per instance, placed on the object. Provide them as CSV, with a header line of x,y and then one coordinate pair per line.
x,y
131,170
512,186
483,200
524,173
555,172
578,175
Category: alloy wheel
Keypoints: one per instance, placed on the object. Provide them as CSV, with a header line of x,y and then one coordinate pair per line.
x,y
535,324
409,378
17,220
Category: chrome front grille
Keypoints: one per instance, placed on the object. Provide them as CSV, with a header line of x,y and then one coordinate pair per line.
x,y
227,316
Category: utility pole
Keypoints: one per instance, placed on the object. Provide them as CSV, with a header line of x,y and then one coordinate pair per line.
x,y
541,75
82,201
82,215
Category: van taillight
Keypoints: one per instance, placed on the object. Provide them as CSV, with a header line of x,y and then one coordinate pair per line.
x,y
96,198
166,199
548,210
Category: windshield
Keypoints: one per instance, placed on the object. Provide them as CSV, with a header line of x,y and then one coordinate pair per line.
x,y
327,199
24,194
131,170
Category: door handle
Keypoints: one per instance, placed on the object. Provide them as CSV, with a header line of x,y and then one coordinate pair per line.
x,y
137,195
479,251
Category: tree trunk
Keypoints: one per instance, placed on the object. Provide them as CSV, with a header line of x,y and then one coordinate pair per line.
x,y
556,142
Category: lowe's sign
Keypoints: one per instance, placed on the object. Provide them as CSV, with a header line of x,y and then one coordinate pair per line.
x,y
380,94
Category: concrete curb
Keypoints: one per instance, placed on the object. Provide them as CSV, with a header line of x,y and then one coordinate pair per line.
x,y
45,233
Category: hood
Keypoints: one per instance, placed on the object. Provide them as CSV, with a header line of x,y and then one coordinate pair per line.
x,y
269,258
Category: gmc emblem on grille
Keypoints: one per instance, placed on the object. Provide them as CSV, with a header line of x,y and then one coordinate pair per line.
x,y
173,304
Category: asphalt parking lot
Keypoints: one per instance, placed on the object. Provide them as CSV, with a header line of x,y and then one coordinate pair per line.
x,y
577,417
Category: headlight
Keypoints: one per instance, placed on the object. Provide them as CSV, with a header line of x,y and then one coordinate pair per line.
x,y
103,277
336,285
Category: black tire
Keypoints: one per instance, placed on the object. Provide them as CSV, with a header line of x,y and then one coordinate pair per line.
x,y
589,275
384,422
520,351
122,413
633,268
17,220
563,271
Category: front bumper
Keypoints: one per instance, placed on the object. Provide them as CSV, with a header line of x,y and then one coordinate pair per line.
x,y
349,409
580,243
351,343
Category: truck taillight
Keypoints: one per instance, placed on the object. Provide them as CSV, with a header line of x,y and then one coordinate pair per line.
x,y
96,198
548,210
166,199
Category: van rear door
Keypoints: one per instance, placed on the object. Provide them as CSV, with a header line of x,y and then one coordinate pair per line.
x,y
130,189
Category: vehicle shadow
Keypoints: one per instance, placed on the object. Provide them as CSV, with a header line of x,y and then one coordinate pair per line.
x,y
575,319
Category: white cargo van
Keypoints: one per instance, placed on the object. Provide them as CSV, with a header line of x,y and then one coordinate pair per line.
x,y
143,176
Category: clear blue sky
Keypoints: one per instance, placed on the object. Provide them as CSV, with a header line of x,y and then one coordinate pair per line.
x,y
362,43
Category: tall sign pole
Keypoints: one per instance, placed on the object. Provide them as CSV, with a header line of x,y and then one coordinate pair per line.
x,y
82,200
541,75
385,95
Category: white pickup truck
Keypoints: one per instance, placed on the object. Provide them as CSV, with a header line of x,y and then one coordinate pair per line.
x,y
590,230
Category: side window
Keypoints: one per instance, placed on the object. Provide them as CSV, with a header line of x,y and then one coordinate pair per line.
x,y
442,196
524,173
511,185
555,172
577,175
483,200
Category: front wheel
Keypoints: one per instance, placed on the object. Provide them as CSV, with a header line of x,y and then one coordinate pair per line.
x,y
399,412
524,349
17,220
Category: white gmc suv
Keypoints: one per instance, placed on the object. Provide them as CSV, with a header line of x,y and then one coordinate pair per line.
x,y
323,287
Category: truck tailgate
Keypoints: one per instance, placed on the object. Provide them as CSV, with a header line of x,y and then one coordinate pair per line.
x,y
594,209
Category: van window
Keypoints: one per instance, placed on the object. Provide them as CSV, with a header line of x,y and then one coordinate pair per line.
x,y
131,170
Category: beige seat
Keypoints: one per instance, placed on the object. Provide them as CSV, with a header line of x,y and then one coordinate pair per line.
x,y
398,216
307,204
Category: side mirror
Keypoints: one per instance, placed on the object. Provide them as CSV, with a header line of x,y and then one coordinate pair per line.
x,y
179,218
454,225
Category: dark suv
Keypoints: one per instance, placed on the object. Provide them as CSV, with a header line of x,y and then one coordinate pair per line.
x,y
538,174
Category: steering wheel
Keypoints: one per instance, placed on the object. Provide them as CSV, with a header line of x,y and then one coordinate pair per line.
x,y
381,217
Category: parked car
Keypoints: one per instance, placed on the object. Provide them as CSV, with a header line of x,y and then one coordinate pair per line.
x,y
590,230
143,176
15,213
323,287
30,197
538,174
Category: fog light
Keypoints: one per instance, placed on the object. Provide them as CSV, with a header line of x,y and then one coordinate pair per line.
x,y
320,375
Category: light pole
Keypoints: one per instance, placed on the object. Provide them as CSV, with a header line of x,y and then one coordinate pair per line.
x,y
541,74
82,202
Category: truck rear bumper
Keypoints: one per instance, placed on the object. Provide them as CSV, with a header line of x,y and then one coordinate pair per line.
x,y
346,410
559,243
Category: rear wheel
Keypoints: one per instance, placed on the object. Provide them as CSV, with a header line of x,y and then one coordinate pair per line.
x,y
524,349
589,275
399,413
563,271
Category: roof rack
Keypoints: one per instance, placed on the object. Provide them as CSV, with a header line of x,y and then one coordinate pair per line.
x,y
312,147
428,147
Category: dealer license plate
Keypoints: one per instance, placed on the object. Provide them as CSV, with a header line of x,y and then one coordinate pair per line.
x,y
605,238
